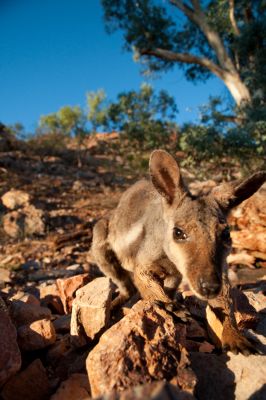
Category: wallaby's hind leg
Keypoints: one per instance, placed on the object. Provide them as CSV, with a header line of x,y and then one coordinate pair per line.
x,y
108,263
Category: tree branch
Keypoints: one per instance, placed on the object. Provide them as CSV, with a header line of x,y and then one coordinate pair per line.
x,y
232,17
197,16
185,58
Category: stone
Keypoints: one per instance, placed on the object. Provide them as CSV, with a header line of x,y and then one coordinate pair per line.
x,y
62,323
75,387
23,313
67,289
31,384
249,376
229,376
24,222
13,224
214,380
157,390
37,335
10,357
146,345
34,221
15,198
245,314
5,276
27,298
91,310
50,297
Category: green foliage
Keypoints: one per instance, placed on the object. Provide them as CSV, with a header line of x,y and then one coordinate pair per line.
x,y
143,115
149,25
68,121
97,109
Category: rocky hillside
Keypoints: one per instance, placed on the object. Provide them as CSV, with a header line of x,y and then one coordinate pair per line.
x,y
61,337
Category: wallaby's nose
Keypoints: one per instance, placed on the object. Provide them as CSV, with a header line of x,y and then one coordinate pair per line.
x,y
209,288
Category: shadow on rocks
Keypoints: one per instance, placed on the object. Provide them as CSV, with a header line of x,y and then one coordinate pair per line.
x,y
215,380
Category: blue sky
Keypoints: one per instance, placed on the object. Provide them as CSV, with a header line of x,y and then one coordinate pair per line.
x,y
52,52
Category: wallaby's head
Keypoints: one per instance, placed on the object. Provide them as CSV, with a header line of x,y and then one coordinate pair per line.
x,y
196,234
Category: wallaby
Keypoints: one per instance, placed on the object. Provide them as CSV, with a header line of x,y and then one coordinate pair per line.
x,y
160,233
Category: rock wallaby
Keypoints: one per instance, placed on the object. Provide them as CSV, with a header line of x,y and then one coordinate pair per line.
x,y
160,234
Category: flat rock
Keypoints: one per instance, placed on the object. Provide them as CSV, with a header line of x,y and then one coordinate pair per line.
x,y
249,376
37,335
75,387
229,376
146,345
91,310
10,358
30,384
15,198
67,289
23,313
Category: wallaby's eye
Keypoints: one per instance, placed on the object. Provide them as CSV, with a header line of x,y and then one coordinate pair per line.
x,y
179,234
226,234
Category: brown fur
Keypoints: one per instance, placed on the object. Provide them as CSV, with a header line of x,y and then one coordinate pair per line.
x,y
142,237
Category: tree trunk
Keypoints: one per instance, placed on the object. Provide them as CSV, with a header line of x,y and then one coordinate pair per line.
x,y
237,88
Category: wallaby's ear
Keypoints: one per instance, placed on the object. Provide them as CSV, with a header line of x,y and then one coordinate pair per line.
x,y
231,195
165,174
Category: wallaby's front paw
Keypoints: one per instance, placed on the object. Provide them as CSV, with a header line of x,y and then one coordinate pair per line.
x,y
234,341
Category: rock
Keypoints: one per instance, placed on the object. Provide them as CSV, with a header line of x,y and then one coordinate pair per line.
x,y
245,314
50,297
229,376
254,240
15,198
214,380
27,298
37,335
58,350
31,384
22,313
67,289
5,276
13,224
146,345
10,358
249,376
91,310
62,323
157,390
34,221
75,387
257,299
65,359
25,222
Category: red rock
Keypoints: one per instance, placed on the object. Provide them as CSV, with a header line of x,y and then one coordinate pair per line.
x,y
75,387
22,313
91,310
67,289
145,345
10,358
30,384
50,297
37,335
